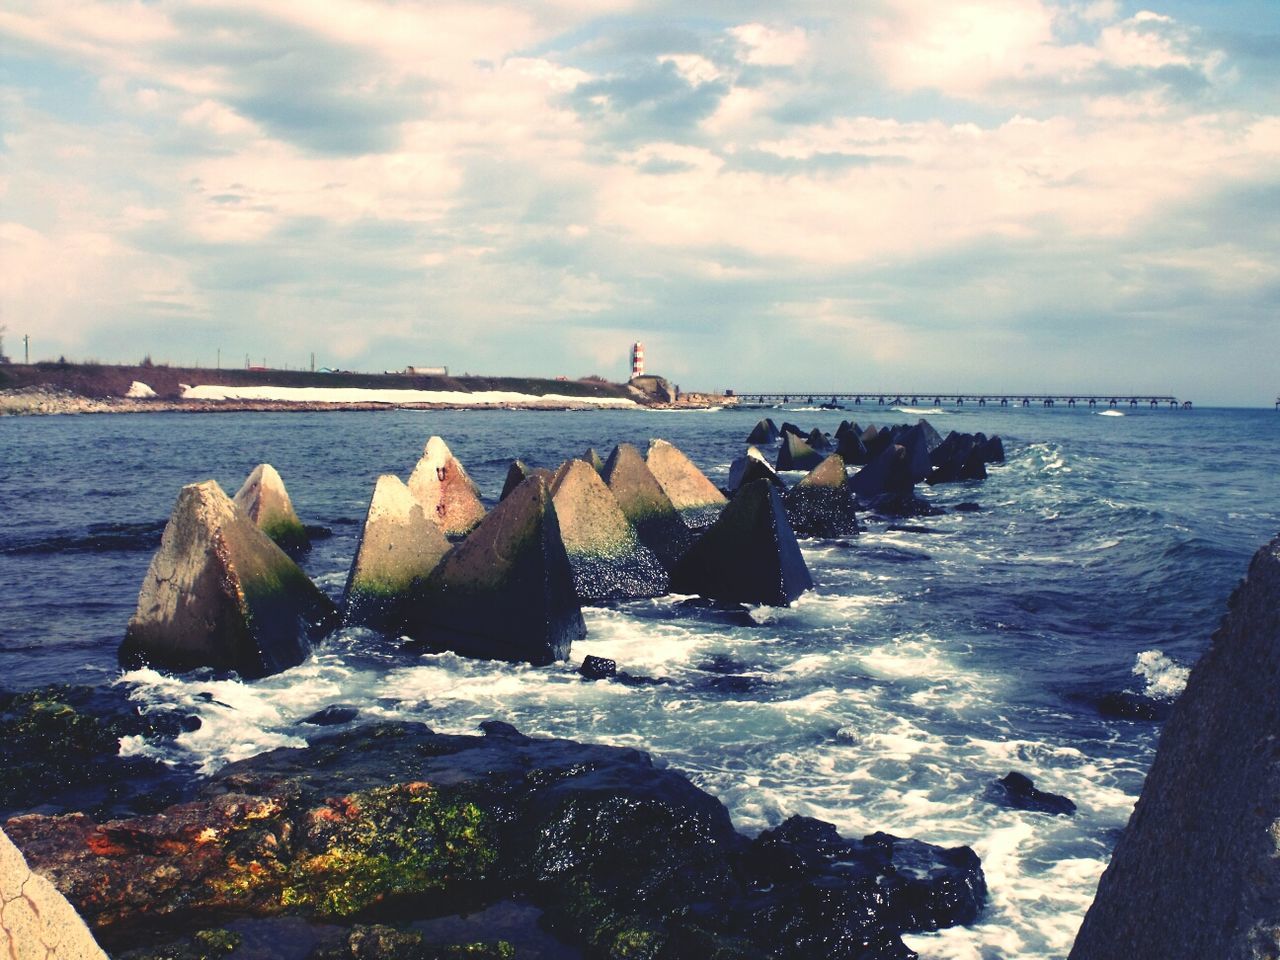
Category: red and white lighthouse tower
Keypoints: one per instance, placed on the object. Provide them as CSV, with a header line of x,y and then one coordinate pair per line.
x,y
637,360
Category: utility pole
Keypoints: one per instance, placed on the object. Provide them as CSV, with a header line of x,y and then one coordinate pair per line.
x,y
26,349
219,358
313,361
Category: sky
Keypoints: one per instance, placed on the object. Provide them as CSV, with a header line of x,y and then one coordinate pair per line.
x,y
901,195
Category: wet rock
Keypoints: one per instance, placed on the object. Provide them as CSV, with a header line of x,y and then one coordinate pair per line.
x,y
796,454
1018,791
749,467
766,431
749,555
507,591
958,458
265,501
933,439
915,442
608,560
219,593
399,548
625,859
903,504
35,919
818,440
447,494
643,502
820,894
60,750
851,449
598,668
967,507
792,430
333,715
1200,850
822,504
1127,705
888,473
518,473
992,451
691,493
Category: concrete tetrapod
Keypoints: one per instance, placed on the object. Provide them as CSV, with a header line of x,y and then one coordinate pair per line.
x,y
447,494
751,466
644,503
822,504
399,547
220,594
506,592
265,500
36,920
691,493
796,454
749,555
1196,873
518,473
609,562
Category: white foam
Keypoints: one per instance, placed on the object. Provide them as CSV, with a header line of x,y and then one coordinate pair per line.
x,y
1165,677
922,411
480,398
1110,413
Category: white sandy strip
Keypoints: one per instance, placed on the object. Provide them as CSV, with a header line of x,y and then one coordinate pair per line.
x,y
483,398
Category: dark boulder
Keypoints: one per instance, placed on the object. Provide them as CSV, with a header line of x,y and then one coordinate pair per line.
x,y
959,458
1018,791
823,504
1127,705
625,859
818,440
1196,872
851,449
766,431
518,473
333,715
598,668
646,505
749,555
506,592
609,562
992,451
219,593
792,429
749,467
796,454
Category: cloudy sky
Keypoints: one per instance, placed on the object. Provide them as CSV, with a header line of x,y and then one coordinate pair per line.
x,y
888,194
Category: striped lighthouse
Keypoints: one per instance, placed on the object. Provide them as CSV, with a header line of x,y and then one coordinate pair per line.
x,y
637,360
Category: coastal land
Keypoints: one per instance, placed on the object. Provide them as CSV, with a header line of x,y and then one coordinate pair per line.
x,y
57,388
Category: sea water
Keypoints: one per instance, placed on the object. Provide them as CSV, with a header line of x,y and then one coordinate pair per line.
x,y
932,657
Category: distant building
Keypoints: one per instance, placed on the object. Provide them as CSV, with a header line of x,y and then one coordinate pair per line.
x,y
637,360
427,371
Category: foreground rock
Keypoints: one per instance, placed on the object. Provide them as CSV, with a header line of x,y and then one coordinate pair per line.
x,y
1196,873
643,502
265,501
219,593
399,548
446,492
609,562
749,467
749,555
696,498
506,592
822,504
35,919
796,454
625,859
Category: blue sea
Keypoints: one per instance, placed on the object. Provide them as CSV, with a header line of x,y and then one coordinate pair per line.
x,y
926,663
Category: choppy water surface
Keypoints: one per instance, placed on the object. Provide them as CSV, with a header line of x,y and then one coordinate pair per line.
x,y
925,664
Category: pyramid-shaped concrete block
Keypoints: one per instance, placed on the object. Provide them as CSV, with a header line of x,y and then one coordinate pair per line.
x,y
766,431
609,562
399,548
696,498
823,503
518,473
646,505
751,466
749,555
506,592
593,458
219,593
447,494
266,502
796,454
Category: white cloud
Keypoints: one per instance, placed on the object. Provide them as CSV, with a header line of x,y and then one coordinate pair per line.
x,y
770,47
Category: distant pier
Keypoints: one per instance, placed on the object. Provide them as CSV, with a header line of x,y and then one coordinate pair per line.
x,y
900,399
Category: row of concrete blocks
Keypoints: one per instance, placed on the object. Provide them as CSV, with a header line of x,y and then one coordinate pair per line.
x,y
434,565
